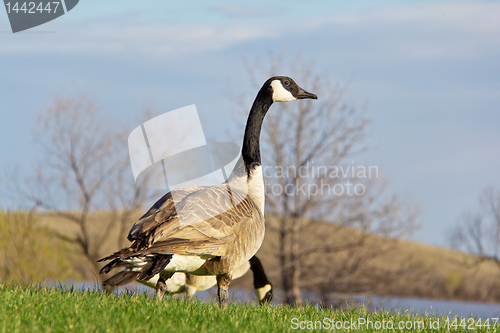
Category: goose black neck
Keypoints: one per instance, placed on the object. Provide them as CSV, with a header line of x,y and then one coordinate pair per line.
x,y
259,276
251,141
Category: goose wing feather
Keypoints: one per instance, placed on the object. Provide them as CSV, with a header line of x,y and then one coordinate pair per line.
x,y
158,213
206,219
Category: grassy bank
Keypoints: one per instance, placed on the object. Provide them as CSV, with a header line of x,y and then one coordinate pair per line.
x,y
52,310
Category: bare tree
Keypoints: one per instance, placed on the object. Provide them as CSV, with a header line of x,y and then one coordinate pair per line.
x,y
479,234
83,175
311,178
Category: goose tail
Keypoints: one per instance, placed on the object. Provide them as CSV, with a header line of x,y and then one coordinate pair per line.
x,y
138,267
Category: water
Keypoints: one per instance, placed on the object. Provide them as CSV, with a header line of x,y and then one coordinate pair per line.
x,y
401,304
436,306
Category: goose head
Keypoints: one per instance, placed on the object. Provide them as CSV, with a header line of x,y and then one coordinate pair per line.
x,y
285,89
275,89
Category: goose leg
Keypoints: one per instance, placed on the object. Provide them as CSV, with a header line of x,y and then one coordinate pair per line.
x,y
161,285
190,285
161,288
223,282
190,291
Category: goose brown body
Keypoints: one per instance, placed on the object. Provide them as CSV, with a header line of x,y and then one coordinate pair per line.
x,y
225,240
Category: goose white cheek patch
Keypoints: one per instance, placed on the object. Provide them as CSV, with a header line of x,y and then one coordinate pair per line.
x,y
280,94
261,292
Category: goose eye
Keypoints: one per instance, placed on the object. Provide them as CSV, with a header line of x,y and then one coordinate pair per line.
x,y
287,83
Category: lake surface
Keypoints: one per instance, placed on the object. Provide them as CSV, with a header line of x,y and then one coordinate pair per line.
x,y
436,306
401,304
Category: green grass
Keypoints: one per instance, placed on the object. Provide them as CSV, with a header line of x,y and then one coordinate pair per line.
x,y
56,310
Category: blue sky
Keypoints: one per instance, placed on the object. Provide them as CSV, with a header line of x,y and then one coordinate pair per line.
x,y
427,72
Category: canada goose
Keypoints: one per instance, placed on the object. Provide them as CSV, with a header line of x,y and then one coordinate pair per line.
x,y
190,284
213,229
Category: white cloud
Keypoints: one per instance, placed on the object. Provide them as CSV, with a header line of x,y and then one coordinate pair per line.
x,y
157,41
421,31
241,11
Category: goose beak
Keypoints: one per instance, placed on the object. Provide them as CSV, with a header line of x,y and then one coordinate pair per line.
x,y
304,94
